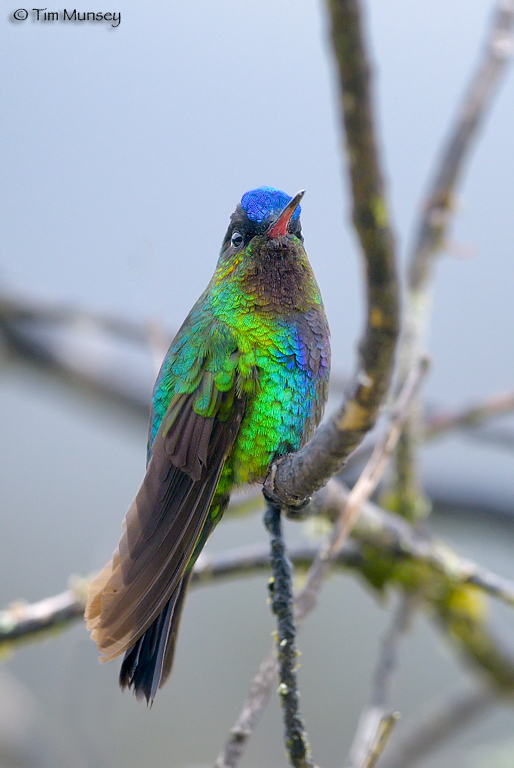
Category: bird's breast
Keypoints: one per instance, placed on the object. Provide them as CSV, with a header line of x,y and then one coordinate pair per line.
x,y
288,362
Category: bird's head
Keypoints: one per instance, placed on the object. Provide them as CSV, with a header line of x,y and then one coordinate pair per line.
x,y
265,214
263,254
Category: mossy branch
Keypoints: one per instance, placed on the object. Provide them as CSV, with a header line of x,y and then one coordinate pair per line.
x,y
297,476
281,591
384,549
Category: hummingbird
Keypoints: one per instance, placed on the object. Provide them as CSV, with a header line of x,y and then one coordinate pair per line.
x,y
244,382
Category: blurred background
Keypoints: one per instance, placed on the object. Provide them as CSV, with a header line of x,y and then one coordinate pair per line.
x,y
124,152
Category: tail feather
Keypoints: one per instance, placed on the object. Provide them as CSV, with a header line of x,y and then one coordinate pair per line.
x,y
134,604
148,663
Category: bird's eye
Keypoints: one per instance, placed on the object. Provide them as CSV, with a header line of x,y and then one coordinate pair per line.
x,y
237,239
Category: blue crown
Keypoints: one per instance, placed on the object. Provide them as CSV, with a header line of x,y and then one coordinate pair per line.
x,y
259,204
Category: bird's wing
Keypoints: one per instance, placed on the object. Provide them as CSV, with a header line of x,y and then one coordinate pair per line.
x,y
166,518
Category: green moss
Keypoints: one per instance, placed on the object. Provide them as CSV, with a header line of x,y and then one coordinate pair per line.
x,y
380,212
377,568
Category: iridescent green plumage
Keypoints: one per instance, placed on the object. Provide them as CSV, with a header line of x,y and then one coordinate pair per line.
x,y
245,380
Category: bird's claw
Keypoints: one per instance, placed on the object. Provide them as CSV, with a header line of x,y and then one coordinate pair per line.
x,y
291,507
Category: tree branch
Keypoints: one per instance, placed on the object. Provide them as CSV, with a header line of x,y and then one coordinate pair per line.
x,y
389,537
439,209
281,590
369,736
22,318
307,597
444,720
431,233
295,477
24,621
34,333
378,731
497,405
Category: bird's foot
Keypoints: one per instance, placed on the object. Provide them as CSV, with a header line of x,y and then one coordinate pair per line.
x,y
292,507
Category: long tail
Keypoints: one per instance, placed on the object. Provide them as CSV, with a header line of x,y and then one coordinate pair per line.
x,y
147,665
134,603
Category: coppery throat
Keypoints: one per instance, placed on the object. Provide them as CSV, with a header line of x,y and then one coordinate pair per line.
x,y
280,279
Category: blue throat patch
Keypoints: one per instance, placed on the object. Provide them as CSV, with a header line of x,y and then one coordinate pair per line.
x,y
259,204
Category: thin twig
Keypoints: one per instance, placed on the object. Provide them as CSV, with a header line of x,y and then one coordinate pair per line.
x,y
472,421
444,720
22,621
361,491
389,532
431,233
439,208
255,702
473,416
370,726
375,724
388,535
388,651
255,559
378,739
376,466
281,589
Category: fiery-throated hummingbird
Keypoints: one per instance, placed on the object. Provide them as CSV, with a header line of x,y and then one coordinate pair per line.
x,y
244,381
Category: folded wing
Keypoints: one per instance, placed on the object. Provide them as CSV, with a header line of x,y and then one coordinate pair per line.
x,y
167,516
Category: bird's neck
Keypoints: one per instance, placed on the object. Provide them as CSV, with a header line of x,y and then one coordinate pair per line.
x,y
271,276
280,279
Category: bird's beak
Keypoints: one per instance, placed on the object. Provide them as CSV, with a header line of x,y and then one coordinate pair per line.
x,y
281,224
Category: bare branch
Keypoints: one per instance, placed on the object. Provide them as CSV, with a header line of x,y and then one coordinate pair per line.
x,y
398,540
376,466
390,533
494,406
444,720
375,730
295,477
361,491
254,704
439,208
21,317
256,700
34,333
22,621
431,234
16,308
369,734
306,599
